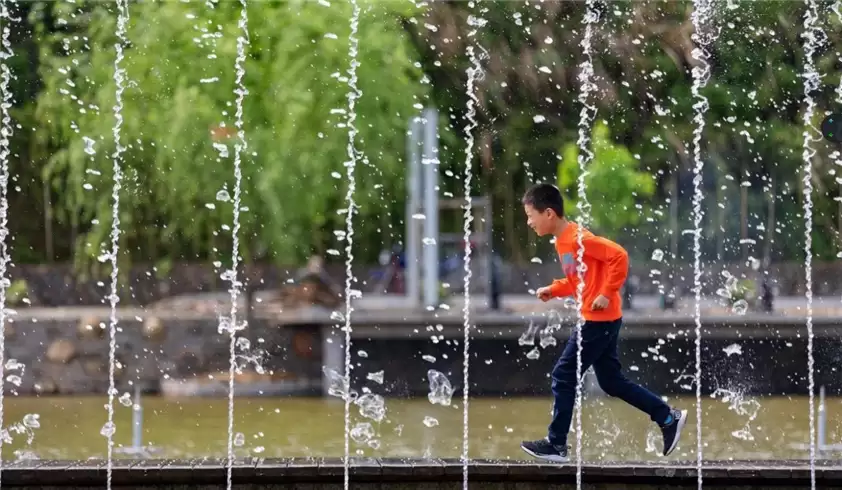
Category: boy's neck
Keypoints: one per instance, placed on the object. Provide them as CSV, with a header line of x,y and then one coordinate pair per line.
x,y
560,226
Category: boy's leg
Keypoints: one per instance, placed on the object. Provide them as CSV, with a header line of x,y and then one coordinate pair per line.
x,y
554,447
594,341
613,382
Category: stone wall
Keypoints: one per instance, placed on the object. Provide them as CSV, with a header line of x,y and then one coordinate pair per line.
x,y
70,356
501,367
182,354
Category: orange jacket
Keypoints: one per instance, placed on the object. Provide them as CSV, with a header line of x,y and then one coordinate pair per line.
x,y
607,266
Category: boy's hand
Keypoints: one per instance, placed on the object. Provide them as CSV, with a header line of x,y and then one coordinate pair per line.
x,y
599,303
544,293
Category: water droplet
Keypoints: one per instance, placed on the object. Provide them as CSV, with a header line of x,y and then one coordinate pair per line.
x,y
361,432
733,349
362,354
223,196
546,338
125,399
108,429
336,384
538,119
740,307
428,241
533,354
528,337
428,358
731,283
32,420
376,377
536,260
222,149
243,343
372,406
89,145
441,391
430,421
239,439
658,255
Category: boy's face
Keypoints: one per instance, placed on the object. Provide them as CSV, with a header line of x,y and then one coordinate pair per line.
x,y
542,222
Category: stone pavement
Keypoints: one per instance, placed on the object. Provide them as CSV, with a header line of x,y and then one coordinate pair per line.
x,y
427,474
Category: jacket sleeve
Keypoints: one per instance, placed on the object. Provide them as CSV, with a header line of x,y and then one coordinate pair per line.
x,y
562,287
616,259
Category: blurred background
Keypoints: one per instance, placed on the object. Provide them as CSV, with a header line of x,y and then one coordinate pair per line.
x,y
176,205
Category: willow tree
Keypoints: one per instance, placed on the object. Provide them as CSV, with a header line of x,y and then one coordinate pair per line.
x,y
179,118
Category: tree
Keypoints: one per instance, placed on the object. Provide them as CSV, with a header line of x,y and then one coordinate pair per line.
x,y
616,186
180,66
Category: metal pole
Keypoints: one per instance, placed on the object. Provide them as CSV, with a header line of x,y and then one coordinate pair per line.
x,y
493,274
430,164
413,203
137,421
822,428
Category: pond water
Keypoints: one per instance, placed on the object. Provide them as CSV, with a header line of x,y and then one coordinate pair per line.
x,y
734,428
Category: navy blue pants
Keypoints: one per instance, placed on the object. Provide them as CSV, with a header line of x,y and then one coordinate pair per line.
x,y
599,349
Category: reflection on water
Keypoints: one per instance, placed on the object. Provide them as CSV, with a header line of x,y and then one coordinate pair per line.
x,y
287,427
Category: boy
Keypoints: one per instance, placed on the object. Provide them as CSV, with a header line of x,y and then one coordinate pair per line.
x,y
607,266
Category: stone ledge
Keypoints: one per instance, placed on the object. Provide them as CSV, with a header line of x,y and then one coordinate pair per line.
x,y
201,473
134,316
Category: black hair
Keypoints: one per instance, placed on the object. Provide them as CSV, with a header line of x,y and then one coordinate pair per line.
x,y
543,197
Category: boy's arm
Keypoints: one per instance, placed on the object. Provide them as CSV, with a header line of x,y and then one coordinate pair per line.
x,y
614,256
561,288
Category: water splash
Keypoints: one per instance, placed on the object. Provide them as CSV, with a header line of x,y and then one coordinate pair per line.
x,y
6,131
474,73
120,82
441,391
703,36
354,93
231,275
812,34
586,117
738,404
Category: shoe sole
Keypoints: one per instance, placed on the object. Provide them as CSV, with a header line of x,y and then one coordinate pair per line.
x,y
547,457
681,422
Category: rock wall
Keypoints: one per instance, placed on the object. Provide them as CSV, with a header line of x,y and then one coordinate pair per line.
x,y
71,356
186,355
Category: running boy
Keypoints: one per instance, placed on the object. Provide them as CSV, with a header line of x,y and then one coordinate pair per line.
x,y
607,266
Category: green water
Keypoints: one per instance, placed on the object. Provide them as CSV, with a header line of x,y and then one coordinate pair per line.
x,y
286,427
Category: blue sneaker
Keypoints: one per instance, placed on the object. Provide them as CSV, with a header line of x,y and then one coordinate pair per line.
x,y
542,449
672,430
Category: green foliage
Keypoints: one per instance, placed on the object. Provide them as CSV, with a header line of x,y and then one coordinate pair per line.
x,y
617,189
180,65
297,142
